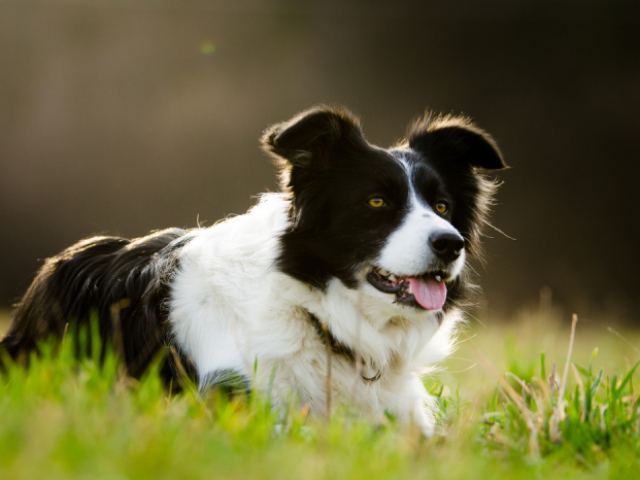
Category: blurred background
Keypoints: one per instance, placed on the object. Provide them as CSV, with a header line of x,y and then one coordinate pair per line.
x,y
122,116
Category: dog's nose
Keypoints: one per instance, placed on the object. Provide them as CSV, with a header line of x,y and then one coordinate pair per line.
x,y
447,245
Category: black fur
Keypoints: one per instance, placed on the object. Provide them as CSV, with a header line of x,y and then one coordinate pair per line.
x,y
334,231
120,283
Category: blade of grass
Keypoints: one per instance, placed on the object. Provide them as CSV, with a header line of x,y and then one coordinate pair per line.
x,y
558,414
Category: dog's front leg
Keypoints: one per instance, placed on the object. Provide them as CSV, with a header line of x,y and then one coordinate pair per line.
x,y
229,382
421,407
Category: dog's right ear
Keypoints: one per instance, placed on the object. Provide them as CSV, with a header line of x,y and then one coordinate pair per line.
x,y
309,139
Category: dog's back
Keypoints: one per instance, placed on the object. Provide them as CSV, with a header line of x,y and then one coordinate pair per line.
x,y
116,285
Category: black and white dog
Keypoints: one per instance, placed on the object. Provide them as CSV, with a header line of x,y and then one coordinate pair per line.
x,y
357,267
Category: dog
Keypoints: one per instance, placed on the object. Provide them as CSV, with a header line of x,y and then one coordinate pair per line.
x,y
343,287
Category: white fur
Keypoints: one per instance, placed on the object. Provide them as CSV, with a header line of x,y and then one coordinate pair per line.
x,y
230,307
407,251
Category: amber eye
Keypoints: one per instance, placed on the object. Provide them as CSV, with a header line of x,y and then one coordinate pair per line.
x,y
441,207
376,202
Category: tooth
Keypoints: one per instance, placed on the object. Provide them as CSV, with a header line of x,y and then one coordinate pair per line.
x,y
392,277
383,272
438,278
409,291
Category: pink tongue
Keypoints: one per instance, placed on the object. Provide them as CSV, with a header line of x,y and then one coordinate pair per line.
x,y
429,293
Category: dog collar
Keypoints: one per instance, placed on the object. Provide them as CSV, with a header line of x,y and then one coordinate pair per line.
x,y
337,347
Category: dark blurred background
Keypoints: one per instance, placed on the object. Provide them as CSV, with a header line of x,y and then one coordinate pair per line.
x,y
124,116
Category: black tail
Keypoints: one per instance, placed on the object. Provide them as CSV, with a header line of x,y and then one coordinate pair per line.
x,y
121,284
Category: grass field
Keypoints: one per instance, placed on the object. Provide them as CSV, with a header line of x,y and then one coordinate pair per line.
x,y
64,419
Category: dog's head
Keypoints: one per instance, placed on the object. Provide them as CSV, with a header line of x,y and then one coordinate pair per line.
x,y
396,224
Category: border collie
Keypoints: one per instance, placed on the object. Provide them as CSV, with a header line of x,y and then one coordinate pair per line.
x,y
345,285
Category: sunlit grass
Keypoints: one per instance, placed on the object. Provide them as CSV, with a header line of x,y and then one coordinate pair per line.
x,y
68,419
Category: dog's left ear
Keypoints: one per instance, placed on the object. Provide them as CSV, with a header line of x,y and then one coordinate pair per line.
x,y
456,141
309,139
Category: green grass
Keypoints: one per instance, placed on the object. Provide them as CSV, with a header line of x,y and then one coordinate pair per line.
x,y
67,419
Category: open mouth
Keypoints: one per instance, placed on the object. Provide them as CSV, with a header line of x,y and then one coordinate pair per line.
x,y
426,291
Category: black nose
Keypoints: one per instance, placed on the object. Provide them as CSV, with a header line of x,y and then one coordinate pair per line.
x,y
447,245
